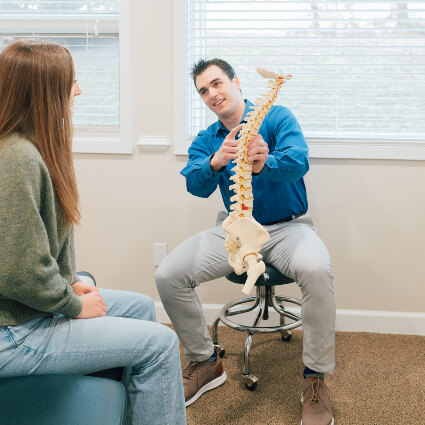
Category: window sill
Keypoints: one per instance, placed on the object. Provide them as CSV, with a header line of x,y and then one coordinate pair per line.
x,y
355,149
367,149
101,144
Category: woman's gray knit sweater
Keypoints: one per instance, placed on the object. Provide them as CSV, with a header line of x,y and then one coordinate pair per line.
x,y
37,263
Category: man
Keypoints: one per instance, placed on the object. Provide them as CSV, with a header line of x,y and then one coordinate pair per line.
x,y
280,156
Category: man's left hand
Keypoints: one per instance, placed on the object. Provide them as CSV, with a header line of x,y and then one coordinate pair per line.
x,y
258,151
81,288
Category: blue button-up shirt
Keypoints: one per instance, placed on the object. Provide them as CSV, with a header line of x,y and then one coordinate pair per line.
x,y
279,190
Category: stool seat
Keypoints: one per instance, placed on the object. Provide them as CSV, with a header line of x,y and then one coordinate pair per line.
x,y
271,277
61,399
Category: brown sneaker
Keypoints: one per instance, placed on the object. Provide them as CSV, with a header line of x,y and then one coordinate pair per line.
x,y
317,409
200,377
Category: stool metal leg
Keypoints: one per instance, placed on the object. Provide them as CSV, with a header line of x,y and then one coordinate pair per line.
x,y
248,379
261,293
284,312
285,334
214,331
265,296
234,309
219,348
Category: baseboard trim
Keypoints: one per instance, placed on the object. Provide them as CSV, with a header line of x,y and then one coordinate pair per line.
x,y
388,322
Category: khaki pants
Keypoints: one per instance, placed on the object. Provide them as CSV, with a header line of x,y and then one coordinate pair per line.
x,y
294,249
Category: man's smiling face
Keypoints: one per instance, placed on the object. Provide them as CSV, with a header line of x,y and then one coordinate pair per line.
x,y
219,93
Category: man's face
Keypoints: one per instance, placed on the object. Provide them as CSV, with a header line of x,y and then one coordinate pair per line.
x,y
219,93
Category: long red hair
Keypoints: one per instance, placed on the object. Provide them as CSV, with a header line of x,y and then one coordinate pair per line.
x,y
36,79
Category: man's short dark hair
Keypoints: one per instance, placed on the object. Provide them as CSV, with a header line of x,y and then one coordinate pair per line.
x,y
200,66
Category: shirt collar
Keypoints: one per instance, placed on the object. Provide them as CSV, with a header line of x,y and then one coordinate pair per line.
x,y
248,108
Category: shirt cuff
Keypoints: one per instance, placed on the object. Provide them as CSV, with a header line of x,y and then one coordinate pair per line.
x,y
207,172
270,165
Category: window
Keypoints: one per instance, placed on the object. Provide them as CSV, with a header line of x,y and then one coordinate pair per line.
x,y
97,34
358,86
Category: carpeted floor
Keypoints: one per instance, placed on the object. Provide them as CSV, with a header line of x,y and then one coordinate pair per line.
x,y
378,380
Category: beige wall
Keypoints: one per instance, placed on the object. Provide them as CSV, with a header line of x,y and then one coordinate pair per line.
x,y
368,212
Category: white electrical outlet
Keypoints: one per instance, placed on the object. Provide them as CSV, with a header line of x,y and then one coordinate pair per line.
x,y
160,251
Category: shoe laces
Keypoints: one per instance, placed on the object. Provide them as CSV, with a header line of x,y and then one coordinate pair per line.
x,y
315,385
190,369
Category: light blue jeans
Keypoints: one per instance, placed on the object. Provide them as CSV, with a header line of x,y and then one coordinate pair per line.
x,y
127,337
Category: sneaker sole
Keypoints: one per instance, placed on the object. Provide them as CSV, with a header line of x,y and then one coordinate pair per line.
x,y
332,421
220,380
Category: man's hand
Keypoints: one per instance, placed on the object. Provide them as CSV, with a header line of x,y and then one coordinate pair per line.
x,y
227,150
81,288
258,151
93,306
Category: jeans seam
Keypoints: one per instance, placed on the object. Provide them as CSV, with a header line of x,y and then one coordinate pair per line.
x,y
167,393
9,332
21,346
131,317
93,353
32,350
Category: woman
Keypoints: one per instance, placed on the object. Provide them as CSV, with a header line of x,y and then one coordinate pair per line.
x,y
42,300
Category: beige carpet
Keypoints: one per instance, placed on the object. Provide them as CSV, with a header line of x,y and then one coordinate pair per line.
x,y
378,380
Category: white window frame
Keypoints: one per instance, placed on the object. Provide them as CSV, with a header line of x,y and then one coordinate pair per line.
x,y
88,140
374,147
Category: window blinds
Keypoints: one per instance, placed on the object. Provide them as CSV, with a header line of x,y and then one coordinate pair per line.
x,y
60,7
90,30
358,66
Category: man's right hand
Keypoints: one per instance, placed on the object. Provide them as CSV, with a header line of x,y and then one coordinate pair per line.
x,y
227,150
93,306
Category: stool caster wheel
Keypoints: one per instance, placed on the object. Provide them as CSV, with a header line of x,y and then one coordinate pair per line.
x,y
250,382
220,350
252,387
286,337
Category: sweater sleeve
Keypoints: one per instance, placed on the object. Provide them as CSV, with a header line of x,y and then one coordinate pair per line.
x,y
29,273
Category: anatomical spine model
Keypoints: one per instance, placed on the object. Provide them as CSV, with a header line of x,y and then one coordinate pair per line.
x,y
244,235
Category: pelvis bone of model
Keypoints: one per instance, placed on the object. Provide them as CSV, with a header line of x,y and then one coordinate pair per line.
x,y
244,235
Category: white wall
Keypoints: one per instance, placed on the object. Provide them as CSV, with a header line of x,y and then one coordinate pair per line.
x,y
368,212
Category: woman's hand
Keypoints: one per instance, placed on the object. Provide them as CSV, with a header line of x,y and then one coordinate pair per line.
x,y
81,288
93,306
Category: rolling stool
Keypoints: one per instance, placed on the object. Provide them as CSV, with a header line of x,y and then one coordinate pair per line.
x,y
265,298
